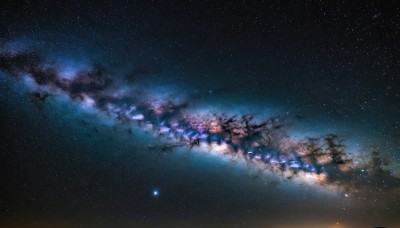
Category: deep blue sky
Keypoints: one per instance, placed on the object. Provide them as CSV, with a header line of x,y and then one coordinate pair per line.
x,y
332,65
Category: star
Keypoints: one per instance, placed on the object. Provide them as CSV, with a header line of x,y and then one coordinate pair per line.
x,y
155,193
376,15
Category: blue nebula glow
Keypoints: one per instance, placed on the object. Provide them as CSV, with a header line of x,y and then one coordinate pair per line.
x,y
68,69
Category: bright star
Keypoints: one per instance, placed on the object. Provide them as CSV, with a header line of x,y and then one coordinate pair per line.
x,y
155,193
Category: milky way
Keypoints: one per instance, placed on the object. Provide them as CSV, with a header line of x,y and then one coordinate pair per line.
x,y
264,144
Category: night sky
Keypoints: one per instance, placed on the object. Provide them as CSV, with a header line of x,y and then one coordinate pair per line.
x,y
200,113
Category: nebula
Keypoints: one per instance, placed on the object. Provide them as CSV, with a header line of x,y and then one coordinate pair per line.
x,y
263,143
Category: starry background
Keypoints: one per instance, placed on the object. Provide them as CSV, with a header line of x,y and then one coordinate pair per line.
x,y
333,64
